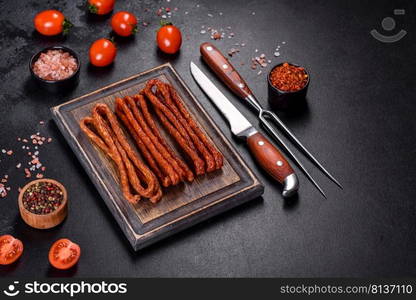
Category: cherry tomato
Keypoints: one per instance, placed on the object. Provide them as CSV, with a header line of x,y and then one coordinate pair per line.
x,y
64,254
124,23
10,249
100,7
169,39
102,52
51,22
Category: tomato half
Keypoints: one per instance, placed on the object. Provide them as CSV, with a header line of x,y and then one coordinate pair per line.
x,y
169,39
64,254
100,7
51,22
124,23
102,52
10,249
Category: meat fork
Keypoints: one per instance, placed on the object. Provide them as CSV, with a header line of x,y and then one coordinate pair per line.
x,y
229,75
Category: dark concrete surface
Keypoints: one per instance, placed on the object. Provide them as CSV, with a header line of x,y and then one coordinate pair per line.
x,y
359,121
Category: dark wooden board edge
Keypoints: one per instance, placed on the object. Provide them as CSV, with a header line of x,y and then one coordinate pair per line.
x,y
139,241
221,206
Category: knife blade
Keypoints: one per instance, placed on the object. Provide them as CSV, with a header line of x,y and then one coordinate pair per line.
x,y
265,153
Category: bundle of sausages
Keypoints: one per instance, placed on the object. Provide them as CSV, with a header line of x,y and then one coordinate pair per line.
x,y
163,166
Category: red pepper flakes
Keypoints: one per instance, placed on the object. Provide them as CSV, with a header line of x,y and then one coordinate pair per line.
x,y
42,198
289,78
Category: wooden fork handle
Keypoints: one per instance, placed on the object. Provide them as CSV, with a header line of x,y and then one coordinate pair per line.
x,y
224,70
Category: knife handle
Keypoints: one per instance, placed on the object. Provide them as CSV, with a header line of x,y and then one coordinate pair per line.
x,y
273,162
224,70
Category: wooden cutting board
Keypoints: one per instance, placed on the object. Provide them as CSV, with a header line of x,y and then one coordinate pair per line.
x,y
181,206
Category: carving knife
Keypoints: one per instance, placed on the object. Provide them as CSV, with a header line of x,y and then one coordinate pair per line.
x,y
266,154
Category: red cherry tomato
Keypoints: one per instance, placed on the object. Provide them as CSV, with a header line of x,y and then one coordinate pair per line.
x,y
124,23
100,7
51,22
10,249
169,39
102,52
64,254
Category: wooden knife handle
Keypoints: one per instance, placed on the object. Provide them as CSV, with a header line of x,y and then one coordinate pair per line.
x,y
224,70
272,161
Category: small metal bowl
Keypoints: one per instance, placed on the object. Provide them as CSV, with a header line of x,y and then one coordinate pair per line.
x,y
56,85
283,100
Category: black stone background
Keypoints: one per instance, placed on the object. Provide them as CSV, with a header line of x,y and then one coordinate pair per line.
x,y
360,122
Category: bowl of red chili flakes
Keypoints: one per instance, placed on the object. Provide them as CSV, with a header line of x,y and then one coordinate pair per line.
x,y
55,68
288,85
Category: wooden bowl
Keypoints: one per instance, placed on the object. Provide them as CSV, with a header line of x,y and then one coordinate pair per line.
x,y
48,220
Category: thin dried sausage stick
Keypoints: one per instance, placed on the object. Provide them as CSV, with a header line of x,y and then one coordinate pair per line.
x,y
209,159
219,159
85,125
199,164
133,179
138,114
140,100
146,154
165,166
113,154
162,150
149,179
166,111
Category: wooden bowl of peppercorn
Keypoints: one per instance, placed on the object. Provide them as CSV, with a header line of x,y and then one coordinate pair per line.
x,y
43,203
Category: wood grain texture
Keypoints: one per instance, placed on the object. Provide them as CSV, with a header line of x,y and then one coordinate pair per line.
x,y
269,157
181,205
224,70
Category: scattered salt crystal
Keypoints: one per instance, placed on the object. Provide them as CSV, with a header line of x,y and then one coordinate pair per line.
x,y
210,15
203,31
18,165
276,54
259,72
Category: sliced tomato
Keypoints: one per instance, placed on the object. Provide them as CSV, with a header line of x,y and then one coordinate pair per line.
x,y
64,254
10,249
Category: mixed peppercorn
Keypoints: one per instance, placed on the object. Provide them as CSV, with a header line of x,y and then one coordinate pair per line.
x,y
288,78
42,198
